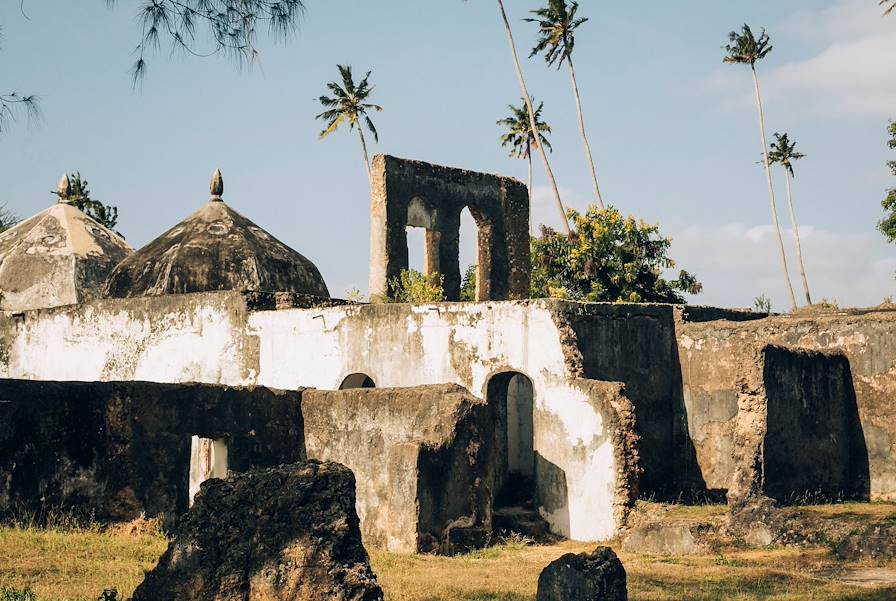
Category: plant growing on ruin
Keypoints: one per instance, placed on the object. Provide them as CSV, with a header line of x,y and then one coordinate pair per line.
x,y
349,105
77,194
888,224
762,304
411,286
607,257
519,136
784,153
557,24
468,284
527,98
230,27
745,49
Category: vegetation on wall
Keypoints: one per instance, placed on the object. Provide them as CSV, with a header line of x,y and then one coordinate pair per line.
x,y
607,257
411,286
7,219
888,224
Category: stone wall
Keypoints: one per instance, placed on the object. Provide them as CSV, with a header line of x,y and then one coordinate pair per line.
x,y
797,434
424,460
122,449
715,357
229,338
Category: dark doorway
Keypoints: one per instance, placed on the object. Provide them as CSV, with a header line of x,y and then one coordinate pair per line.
x,y
357,380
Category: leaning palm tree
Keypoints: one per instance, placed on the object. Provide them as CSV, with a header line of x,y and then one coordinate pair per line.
x,y
557,24
745,49
784,152
519,135
348,105
532,125
890,4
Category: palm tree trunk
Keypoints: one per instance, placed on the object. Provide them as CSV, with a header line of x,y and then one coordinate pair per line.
x,y
796,235
366,157
771,187
529,160
575,89
532,125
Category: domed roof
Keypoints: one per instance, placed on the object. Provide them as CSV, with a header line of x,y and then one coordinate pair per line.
x,y
58,257
215,248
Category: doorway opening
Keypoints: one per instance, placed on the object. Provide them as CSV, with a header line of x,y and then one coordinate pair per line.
x,y
357,380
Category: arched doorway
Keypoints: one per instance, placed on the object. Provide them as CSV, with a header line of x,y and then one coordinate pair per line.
x,y
512,396
357,380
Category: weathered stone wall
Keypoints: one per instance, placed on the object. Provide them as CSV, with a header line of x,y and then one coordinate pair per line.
x,y
122,449
413,193
797,433
220,338
715,356
424,460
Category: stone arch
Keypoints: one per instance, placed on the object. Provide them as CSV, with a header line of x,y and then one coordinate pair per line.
x,y
357,380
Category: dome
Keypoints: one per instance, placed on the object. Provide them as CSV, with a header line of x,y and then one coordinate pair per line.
x,y
58,257
215,248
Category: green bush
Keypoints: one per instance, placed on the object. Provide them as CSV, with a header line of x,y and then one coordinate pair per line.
x,y
411,286
468,285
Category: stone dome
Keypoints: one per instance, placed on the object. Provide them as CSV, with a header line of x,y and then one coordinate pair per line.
x,y
215,248
58,257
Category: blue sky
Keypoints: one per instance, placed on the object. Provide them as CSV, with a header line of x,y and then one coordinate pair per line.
x,y
673,129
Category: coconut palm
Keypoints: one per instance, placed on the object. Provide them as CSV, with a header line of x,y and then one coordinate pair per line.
x,y
557,24
519,134
745,49
532,125
784,152
349,105
890,4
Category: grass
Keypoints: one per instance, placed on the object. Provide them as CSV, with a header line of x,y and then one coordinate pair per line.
x,y
66,562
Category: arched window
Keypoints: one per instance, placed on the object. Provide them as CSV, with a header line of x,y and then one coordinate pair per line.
x,y
357,380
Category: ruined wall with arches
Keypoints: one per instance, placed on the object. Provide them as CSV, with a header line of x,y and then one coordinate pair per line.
x,y
416,194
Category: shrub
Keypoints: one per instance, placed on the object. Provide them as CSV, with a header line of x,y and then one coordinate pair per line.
x,y
468,285
411,286
14,594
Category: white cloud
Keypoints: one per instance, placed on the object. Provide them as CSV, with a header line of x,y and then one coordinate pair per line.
x,y
737,263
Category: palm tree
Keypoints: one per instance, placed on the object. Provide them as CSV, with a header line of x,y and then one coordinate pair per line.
x,y
348,105
890,4
532,125
745,49
784,152
557,24
519,135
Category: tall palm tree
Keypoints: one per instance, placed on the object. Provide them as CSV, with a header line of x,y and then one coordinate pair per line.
x,y
784,152
745,49
890,4
349,105
557,24
532,125
519,135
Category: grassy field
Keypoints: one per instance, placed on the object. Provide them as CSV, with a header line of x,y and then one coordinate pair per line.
x,y
65,563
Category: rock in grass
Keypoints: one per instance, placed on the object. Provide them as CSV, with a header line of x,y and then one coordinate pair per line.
x,y
596,576
285,534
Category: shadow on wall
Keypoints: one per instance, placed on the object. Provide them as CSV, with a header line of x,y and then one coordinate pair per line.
x,y
814,446
357,380
553,494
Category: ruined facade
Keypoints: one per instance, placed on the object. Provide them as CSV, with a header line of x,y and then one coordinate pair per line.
x,y
578,407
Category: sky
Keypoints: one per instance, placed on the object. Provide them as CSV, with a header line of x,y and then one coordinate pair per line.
x,y
673,129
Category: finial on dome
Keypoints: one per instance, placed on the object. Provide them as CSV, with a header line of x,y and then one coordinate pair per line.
x,y
64,188
217,186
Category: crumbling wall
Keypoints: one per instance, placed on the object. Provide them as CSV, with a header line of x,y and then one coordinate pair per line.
x,y
423,457
715,357
122,449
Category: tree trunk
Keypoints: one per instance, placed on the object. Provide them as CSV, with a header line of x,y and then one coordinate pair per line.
x,y
529,160
532,125
366,157
588,156
771,188
796,235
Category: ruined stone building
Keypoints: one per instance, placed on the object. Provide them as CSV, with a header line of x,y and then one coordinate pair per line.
x,y
216,348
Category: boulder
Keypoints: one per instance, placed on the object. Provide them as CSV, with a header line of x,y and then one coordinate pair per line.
x,y
596,576
877,541
661,539
289,533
